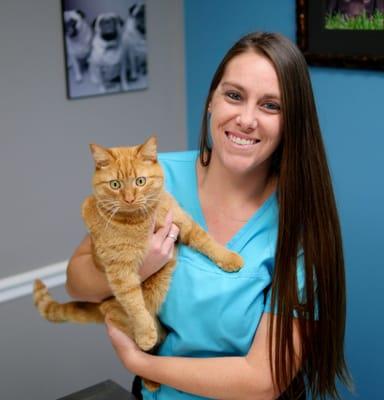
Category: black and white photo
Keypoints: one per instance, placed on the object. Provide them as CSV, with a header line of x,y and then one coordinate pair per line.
x,y
105,46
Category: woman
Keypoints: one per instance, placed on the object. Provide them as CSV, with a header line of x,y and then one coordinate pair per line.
x,y
261,186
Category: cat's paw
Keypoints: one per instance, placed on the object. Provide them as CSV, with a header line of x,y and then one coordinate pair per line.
x,y
146,337
150,385
146,341
109,307
232,262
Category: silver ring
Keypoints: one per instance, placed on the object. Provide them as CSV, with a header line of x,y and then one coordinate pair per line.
x,y
172,236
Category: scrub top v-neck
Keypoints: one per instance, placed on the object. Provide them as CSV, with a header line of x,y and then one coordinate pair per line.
x,y
209,312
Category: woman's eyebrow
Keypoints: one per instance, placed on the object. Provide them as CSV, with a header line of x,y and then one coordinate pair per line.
x,y
233,84
271,96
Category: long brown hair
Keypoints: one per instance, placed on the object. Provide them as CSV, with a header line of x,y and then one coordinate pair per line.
x,y
308,220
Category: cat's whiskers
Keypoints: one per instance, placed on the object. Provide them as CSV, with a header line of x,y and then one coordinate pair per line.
x,y
106,209
145,206
109,208
154,200
113,213
152,197
107,202
142,210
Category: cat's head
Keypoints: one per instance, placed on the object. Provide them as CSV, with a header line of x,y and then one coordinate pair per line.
x,y
127,179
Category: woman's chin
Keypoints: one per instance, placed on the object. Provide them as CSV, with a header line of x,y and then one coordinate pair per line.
x,y
238,164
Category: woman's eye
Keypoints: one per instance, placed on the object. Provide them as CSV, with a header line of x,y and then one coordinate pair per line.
x,y
115,184
233,95
272,106
140,181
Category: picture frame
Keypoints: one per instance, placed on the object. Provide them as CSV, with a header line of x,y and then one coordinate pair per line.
x,y
342,48
105,46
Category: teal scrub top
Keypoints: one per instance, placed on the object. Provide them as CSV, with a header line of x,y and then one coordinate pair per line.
x,y
207,311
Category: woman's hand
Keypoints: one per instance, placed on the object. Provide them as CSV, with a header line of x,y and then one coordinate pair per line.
x,y
126,349
161,248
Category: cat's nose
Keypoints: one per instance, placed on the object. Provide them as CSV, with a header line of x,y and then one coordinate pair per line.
x,y
129,197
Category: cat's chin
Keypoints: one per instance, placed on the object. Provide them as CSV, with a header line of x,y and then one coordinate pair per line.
x,y
132,210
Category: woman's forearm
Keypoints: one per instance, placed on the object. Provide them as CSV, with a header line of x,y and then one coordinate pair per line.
x,y
84,281
217,378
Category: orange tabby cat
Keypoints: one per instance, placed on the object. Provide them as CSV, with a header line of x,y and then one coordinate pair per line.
x,y
129,197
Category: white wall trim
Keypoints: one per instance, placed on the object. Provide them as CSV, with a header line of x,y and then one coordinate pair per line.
x,y
21,285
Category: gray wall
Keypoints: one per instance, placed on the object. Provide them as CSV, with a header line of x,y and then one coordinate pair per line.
x,y
45,171
45,164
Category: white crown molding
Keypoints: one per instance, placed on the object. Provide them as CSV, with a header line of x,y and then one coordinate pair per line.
x,y
21,285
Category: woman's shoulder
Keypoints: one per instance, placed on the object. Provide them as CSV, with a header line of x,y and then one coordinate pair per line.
x,y
179,172
178,167
176,157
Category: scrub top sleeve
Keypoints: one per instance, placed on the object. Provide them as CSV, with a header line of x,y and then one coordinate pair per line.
x,y
300,287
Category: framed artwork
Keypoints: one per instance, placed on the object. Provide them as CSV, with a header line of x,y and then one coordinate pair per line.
x,y
341,33
105,46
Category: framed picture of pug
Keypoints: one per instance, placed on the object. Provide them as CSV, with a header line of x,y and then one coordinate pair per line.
x,y
105,46
342,33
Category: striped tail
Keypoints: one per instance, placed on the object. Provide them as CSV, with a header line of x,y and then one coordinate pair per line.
x,y
74,311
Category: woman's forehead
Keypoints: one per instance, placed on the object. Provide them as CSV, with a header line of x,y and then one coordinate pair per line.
x,y
247,69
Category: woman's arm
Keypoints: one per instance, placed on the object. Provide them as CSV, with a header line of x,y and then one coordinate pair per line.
x,y
87,283
84,280
247,377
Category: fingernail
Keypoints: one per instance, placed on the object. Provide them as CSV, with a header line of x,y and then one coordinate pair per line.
x,y
109,324
111,329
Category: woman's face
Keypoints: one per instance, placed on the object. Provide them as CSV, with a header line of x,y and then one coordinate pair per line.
x,y
245,120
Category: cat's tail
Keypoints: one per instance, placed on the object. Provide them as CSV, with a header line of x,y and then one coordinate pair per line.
x,y
74,311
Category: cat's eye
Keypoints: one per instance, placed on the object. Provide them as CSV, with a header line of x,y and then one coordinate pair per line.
x,y
115,184
141,181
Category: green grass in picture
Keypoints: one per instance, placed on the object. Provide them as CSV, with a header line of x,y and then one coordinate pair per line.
x,y
360,22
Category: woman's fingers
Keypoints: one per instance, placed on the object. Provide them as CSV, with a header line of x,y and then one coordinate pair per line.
x,y
169,242
161,248
125,347
162,232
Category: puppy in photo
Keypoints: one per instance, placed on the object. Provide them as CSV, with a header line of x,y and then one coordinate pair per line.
x,y
106,66
78,39
135,43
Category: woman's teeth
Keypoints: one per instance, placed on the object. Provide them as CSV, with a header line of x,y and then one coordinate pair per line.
x,y
241,141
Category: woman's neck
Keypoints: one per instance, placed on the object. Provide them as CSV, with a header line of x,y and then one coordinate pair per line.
x,y
239,195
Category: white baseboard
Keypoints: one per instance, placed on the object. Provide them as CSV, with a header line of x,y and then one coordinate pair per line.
x,y
21,285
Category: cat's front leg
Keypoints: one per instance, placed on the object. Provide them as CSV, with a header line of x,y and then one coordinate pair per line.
x,y
193,235
127,290
113,310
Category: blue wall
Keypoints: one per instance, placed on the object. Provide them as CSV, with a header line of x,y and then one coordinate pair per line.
x,y
351,110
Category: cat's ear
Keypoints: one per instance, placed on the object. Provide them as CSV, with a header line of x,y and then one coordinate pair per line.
x,y
101,155
148,150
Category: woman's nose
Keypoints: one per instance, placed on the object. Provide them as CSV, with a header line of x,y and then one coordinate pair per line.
x,y
246,121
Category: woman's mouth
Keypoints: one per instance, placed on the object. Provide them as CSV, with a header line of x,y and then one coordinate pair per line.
x,y
241,141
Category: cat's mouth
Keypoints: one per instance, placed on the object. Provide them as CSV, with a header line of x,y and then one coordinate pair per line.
x,y
120,209
131,208
128,209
